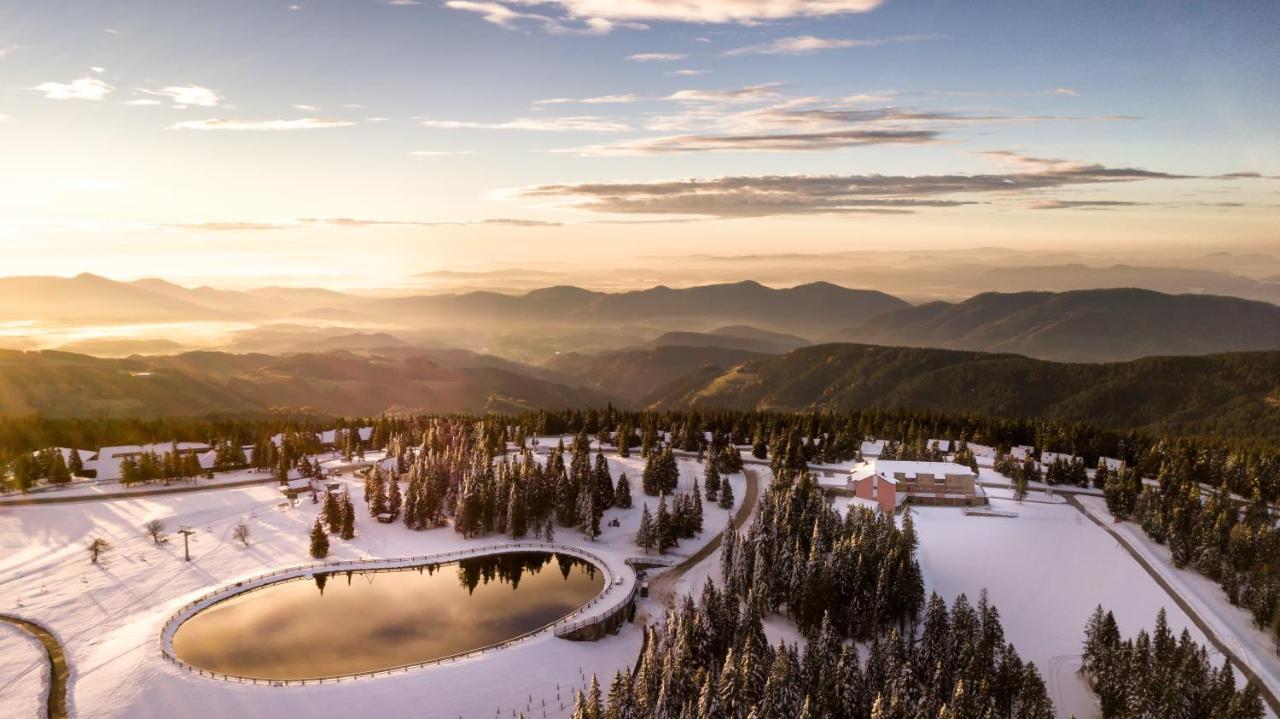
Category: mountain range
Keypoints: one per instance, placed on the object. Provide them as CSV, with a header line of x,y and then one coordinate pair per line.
x,y
541,326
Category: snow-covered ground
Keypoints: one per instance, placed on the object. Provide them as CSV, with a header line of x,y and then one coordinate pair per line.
x,y
1045,570
110,616
1232,624
24,674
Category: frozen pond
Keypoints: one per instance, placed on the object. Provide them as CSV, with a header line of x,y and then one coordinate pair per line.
x,y
342,623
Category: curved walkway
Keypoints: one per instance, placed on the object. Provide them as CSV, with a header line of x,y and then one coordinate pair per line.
x,y
664,584
264,580
59,671
1186,607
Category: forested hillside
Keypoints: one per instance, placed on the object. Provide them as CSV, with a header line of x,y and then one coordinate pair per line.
x,y
1230,394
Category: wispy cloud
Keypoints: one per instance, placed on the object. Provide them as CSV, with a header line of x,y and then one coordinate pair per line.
x,y
688,72
598,100
440,153
1081,204
749,93
623,12
84,88
504,16
808,44
657,57
578,123
187,95
753,196
771,142
346,222
304,123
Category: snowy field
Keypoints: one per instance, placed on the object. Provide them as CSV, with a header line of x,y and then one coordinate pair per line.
x,y
1045,571
110,615
1233,624
24,674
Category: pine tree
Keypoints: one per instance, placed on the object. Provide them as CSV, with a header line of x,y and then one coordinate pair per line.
x,y
646,537
712,482
319,541
664,528
622,494
726,496
348,517
332,512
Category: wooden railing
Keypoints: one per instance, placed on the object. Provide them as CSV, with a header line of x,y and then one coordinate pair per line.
x,y
263,580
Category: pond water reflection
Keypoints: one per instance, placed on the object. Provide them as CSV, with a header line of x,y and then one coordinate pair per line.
x,y
341,623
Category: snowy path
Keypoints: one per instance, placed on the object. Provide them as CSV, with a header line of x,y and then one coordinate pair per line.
x,y
24,672
1228,628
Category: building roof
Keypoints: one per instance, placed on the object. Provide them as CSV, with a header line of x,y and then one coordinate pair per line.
x,y
888,468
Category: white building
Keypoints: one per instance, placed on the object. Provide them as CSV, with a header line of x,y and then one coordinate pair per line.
x,y
108,460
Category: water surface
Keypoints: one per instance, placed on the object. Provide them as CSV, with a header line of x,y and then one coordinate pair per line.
x,y
351,622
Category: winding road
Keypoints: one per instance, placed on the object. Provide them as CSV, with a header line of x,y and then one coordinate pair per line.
x,y
664,585
58,668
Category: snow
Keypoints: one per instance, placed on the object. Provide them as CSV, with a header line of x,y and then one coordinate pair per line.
x,y
1232,624
889,469
1045,570
24,674
110,616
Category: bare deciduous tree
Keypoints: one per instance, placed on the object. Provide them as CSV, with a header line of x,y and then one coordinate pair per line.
x,y
156,530
96,547
241,532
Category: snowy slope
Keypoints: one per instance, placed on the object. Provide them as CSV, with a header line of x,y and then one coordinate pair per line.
x,y
24,674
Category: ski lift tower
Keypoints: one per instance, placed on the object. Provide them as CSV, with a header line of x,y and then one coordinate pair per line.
x,y
186,533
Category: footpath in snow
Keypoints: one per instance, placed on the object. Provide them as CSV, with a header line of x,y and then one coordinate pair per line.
x,y
24,674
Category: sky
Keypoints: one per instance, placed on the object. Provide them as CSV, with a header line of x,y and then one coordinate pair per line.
x,y
358,142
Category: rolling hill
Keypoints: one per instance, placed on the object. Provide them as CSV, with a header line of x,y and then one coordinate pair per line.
x,y
1079,326
60,384
1235,393
632,374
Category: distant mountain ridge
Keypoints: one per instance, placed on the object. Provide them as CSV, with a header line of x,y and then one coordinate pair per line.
x,y
1232,394
809,307
1079,326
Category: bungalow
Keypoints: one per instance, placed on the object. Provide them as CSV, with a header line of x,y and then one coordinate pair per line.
x,y
889,483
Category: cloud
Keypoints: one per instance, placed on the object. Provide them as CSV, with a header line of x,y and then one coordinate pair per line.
x,y
599,100
187,95
749,93
143,102
1082,204
84,88
505,17
657,57
688,72
516,222
602,16
755,196
304,123
808,44
232,226
440,153
348,222
579,123
772,142
304,108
